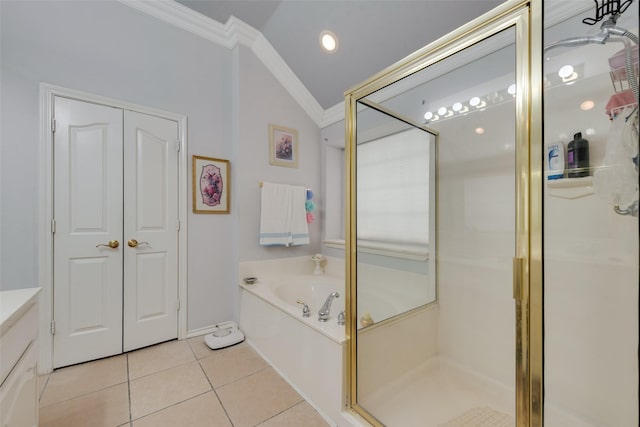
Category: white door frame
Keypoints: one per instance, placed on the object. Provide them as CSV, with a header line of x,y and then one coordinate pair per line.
x,y
45,248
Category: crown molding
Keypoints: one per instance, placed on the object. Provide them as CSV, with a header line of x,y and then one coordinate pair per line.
x,y
182,17
234,32
239,32
333,115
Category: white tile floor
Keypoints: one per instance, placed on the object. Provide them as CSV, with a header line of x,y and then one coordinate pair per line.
x,y
179,383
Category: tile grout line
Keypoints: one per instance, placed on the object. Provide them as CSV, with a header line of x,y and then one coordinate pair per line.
x,y
215,394
240,379
246,376
129,389
191,348
283,411
84,394
195,358
46,383
161,370
192,397
170,406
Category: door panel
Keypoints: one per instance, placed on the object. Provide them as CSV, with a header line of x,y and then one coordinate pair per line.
x,y
151,171
88,291
87,149
152,284
151,267
88,213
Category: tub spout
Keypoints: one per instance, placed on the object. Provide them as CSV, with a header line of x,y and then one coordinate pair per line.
x,y
323,314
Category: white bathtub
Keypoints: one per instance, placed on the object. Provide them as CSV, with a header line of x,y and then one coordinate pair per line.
x,y
313,290
309,354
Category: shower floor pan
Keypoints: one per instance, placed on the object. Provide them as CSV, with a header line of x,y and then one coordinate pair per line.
x,y
439,394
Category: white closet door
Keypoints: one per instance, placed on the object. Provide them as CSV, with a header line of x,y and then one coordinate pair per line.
x,y
88,215
151,219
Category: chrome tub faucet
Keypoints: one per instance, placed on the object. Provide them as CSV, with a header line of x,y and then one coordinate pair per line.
x,y
323,314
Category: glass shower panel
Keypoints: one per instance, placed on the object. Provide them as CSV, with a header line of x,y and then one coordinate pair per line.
x,y
452,358
395,190
590,219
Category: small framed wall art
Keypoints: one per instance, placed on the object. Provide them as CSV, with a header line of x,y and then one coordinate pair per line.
x,y
283,146
211,186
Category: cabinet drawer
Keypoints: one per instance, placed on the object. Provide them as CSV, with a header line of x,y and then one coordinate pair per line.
x,y
19,393
16,339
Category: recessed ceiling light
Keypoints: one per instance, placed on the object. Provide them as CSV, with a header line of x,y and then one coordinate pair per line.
x,y
590,131
479,131
442,111
587,105
428,115
457,106
511,90
328,41
474,102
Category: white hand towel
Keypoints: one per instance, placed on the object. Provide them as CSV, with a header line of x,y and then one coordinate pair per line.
x,y
299,227
275,214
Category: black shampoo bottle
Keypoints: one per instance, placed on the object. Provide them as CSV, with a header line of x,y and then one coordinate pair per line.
x,y
578,157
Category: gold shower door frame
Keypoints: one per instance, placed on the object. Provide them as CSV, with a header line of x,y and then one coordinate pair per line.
x,y
526,18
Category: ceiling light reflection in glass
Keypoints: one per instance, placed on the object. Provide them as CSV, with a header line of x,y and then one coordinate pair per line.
x,y
587,105
565,71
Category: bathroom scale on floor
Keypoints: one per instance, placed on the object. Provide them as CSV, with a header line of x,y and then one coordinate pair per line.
x,y
225,334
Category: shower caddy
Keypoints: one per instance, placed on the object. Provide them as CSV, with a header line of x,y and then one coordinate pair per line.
x,y
623,79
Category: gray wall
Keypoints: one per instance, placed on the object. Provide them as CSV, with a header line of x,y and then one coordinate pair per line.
x,y
109,49
261,101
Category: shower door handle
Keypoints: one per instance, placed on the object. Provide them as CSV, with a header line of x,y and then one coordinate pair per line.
x,y
518,267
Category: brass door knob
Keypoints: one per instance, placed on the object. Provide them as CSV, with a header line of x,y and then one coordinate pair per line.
x,y
133,243
110,244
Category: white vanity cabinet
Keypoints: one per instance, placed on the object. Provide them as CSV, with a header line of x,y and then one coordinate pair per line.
x,y
19,358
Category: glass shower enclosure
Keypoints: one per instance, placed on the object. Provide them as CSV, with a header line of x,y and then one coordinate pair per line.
x,y
439,177
493,224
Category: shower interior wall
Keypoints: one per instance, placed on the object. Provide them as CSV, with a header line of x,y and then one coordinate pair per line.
x,y
476,323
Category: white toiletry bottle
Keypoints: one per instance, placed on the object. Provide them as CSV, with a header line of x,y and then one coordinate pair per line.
x,y
555,161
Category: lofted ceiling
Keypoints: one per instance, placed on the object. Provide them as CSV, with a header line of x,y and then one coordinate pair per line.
x,y
372,34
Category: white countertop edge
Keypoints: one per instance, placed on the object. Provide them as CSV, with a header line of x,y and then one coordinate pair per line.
x,y
14,303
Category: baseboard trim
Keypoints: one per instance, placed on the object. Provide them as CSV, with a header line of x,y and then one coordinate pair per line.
x,y
201,331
